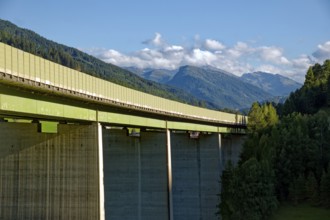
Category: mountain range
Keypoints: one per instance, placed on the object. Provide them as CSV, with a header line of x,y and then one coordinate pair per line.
x,y
274,84
221,88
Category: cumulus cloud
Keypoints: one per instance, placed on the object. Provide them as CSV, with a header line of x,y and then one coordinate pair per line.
x,y
156,41
273,54
237,59
323,52
213,45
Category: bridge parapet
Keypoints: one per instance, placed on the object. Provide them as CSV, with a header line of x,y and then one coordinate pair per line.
x,y
26,70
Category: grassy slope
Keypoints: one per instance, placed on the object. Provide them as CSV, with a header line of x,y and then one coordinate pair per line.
x,y
301,212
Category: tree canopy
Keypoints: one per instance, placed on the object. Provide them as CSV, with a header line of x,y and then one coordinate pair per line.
x,y
283,160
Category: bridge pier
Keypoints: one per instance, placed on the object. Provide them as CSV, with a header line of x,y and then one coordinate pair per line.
x,y
88,172
49,176
196,176
135,171
145,180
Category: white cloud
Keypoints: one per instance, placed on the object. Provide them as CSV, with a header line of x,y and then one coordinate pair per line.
x,y
199,57
239,50
156,41
323,52
210,44
237,59
273,54
173,48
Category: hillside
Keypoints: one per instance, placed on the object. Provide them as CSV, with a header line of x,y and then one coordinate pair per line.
x,y
33,43
222,89
313,95
156,75
274,84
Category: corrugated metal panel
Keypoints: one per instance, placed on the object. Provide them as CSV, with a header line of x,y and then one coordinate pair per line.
x,y
20,63
56,76
26,66
8,59
43,76
32,67
65,78
14,64
52,73
37,68
2,58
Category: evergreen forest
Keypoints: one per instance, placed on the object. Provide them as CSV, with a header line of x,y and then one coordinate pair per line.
x,y
286,157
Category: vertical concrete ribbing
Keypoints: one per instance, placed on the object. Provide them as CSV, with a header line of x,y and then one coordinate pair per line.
x,y
48,176
210,176
195,176
120,175
186,201
139,198
135,175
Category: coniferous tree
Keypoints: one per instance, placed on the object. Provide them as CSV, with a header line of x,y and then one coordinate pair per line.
x,y
312,192
256,118
270,114
226,208
297,190
325,189
310,78
328,91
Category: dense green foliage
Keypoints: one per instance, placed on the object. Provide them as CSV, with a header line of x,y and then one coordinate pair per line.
x,y
285,160
301,212
313,95
33,43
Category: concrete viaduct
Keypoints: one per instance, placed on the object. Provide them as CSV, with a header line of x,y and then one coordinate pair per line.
x,y
73,146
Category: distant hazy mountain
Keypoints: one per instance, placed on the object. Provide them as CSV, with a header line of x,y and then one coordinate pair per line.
x,y
221,88
156,75
274,84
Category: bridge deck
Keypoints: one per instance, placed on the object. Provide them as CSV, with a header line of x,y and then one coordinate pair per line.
x,y
32,73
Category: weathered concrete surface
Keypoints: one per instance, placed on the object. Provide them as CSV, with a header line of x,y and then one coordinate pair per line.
x,y
135,175
196,176
231,148
48,176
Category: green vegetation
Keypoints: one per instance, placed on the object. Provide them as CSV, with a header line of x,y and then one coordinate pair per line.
x,y
33,43
301,212
313,95
286,160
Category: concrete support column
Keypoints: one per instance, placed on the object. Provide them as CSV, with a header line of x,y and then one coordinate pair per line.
x,y
169,173
220,146
101,171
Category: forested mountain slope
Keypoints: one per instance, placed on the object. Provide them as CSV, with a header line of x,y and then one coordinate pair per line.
x,y
314,94
33,43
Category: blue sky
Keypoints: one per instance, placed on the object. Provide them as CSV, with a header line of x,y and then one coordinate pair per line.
x,y
278,36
